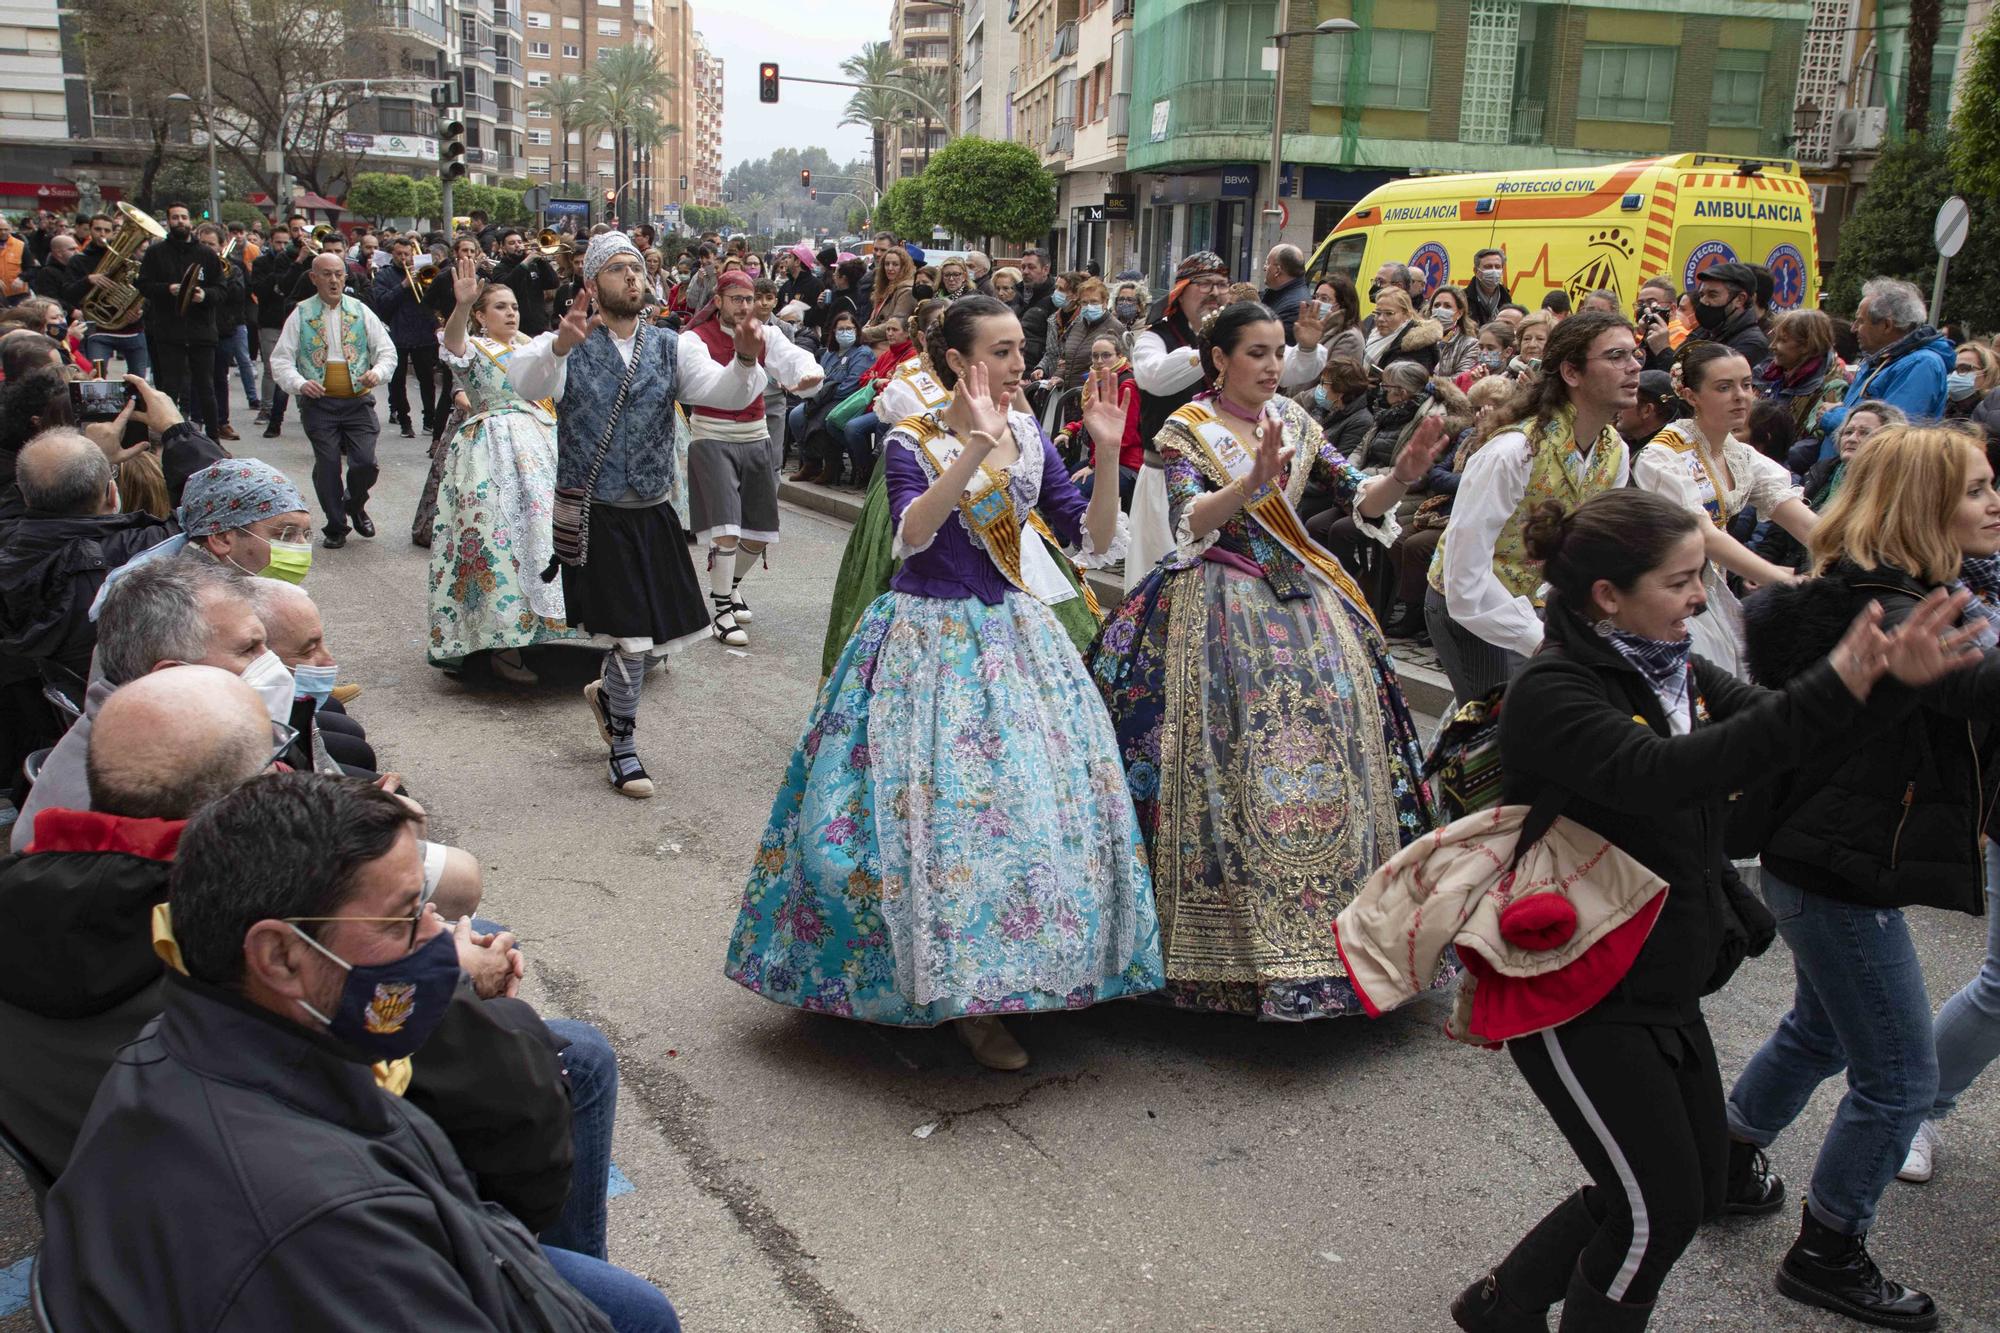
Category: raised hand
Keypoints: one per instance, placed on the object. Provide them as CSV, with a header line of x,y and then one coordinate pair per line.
x,y
1271,457
975,390
749,336
465,282
1927,646
1310,326
1420,452
1104,417
576,325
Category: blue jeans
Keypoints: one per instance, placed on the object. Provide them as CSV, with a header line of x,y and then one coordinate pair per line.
x,y
858,436
1859,1005
1967,1031
632,1304
593,1107
130,346
233,349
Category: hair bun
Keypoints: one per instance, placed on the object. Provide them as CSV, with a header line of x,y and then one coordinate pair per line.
x,y
1545,531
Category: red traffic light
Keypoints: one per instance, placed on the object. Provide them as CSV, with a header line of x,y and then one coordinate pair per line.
x,y
805,178
767,82
610,196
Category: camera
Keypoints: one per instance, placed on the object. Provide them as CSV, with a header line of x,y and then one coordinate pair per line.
x,y
1651,310
99,400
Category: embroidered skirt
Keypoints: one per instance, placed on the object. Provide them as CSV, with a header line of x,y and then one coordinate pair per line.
x,y
869,562
492,536
1274,765
953,835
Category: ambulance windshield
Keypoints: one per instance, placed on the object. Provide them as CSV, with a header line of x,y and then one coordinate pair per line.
x,y
1343,256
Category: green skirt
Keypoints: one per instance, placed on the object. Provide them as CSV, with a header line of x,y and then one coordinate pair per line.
x,y
869,562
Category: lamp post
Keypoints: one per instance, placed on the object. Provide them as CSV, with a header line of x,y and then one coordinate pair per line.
x,y
1273,209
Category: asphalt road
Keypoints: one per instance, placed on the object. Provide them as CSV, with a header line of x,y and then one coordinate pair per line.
x,y
1151,1169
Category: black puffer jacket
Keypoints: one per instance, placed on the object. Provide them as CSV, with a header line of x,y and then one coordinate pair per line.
x,y
1582,718
50,570
1895,823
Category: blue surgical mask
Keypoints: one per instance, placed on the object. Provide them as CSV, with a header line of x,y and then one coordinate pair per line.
x,y
1059,299
1319,396
315,682
1128,311
1092,312
1958,386
844,337
388,1010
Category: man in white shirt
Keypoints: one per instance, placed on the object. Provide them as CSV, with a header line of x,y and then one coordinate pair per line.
x,y
1481,607
330,355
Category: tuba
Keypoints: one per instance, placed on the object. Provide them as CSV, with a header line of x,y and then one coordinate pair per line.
x,y
116,305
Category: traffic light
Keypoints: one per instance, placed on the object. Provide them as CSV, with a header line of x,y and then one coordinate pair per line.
x,y
451,150
814,195
805,178
767,82
610,198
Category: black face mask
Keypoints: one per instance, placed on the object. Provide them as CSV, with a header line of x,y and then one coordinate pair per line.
x,y
922,293
1374,290
1711,317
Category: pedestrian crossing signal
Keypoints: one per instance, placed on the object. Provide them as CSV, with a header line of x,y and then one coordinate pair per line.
x,y
767,82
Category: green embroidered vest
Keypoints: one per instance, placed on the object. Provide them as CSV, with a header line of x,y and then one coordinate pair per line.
x,y
312,338
1549,478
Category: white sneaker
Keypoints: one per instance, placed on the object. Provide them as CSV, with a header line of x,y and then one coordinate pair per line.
x,y
1918,1166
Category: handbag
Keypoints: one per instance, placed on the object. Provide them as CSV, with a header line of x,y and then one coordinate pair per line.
x,y
571,510
852,406
1463,766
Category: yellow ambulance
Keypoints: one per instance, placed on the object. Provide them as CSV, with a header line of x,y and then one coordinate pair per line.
x,y
1580,229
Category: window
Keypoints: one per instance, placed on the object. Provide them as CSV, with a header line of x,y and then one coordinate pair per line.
x,y
539,50
541,138
606,170
32,106
534,114
1398,73
571,51
111,106
538,78
608,27
538,166
538,20
1738,96
575,137
1626,83
606,140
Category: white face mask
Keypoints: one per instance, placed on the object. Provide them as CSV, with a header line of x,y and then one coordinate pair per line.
x,y
267,675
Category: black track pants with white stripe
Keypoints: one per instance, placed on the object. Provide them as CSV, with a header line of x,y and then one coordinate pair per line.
x,y
1642,1108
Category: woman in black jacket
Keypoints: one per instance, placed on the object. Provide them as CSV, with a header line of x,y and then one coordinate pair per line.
x,y
1643,744
1859,836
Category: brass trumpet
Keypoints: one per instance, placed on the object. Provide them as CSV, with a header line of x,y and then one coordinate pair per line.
x,y
316,242
549,243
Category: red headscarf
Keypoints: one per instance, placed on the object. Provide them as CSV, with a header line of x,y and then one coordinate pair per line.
x,y
730,281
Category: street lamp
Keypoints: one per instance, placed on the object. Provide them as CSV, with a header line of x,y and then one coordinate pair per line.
x,y
1273,209
207,119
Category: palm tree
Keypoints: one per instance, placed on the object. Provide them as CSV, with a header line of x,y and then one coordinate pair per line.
x,y
933,86
1926,18
625,83
563,99
876,107
649,130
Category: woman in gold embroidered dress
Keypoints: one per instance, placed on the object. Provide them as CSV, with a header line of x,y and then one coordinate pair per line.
x,y
1269,751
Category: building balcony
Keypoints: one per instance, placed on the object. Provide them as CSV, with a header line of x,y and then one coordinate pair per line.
x,y
1119,117
1525,127
509,19
1122,9
505,67
975,14
407,21
1221,106
1064,44
1062,138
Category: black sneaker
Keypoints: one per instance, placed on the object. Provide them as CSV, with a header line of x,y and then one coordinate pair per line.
x,y
1754,1188
333,541
1834,1271
271,431
408,433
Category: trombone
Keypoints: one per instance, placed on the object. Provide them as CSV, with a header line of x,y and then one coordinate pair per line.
x,y
320,235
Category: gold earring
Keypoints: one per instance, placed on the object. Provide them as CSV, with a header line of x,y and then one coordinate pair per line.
x,y
1221,377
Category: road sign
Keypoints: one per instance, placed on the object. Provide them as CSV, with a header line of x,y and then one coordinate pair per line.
x,y
535,198
1954,220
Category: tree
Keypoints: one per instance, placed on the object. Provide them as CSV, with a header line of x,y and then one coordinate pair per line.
x,y
1889,236
990,187
1975,131
902,209
930,87
564,99
626,82
1926,17
649,132
878,106
382,194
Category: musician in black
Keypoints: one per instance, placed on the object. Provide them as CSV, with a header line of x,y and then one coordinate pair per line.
x,y
414,329
180,278
272,278
531,279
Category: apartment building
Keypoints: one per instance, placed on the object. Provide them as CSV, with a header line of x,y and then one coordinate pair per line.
x,y
426,39
38,99
1432,85
925,34
986,60
1072,85
705,175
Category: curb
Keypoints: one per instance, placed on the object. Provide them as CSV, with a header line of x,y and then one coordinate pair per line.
x,y
1428,692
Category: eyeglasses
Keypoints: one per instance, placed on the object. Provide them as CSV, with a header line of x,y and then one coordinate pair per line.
x,y
283,738
1210,284
416,920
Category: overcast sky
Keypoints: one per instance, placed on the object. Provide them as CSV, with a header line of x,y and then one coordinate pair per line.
x,y
808,37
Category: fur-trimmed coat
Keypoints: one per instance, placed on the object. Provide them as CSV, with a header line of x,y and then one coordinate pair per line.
x,y
1416,341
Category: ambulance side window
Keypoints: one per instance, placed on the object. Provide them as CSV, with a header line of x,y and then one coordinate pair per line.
x,y
1343,256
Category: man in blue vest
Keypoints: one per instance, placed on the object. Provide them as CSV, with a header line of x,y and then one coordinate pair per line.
x,y
331,354
615,377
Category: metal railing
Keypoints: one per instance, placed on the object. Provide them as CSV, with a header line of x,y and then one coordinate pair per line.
x,y
410,19
507,18
1525,126
1227,106
1064,43
1062,137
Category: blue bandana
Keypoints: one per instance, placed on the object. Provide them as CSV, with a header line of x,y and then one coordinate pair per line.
x,y
1663,662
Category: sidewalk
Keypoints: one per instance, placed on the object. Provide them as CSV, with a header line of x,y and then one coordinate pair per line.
x,y
1424,683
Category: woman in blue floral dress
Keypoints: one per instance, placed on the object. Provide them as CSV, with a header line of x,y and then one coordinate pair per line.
x,y
1268,747
493,533
953,839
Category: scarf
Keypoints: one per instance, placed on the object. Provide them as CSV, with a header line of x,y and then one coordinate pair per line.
x,y
885,364
1663,662
1980,575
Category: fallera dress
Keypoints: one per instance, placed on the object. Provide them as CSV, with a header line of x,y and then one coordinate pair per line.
x,y
1272,759
953,836
492,534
